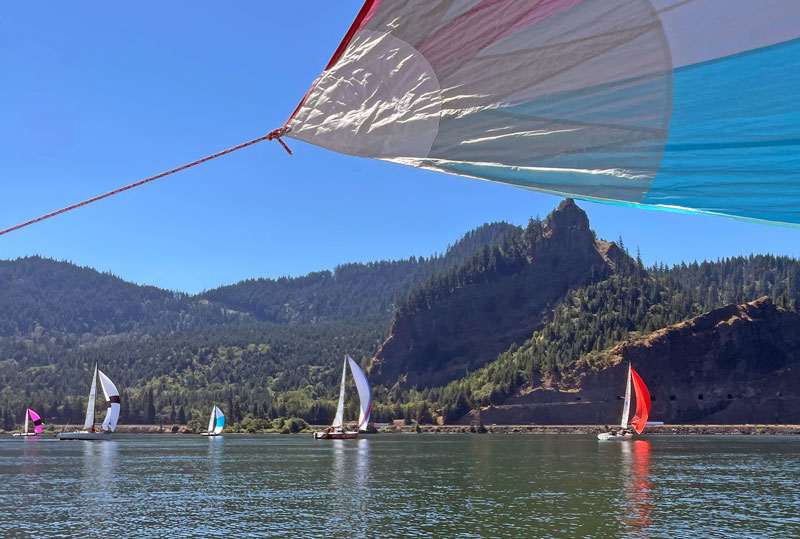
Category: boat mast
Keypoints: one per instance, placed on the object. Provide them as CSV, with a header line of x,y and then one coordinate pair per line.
x,y
89,422
627,406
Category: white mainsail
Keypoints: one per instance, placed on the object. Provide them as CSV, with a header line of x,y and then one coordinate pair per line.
x,y
627,406
112,402
89,422
363,393
25,421
212,421
219,420
338,421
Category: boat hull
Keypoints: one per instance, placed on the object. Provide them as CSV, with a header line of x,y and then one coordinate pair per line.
x,y
84,436
27,435
335,435
211,434
609,436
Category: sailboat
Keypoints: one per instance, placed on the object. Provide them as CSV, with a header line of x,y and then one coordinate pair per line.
x,y
642,409
337,430
89,432
37,424
216,422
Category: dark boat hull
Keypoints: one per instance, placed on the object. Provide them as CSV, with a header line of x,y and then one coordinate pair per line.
x,y
335,435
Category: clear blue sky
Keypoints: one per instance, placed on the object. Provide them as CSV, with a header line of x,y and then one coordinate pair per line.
x,y
96,95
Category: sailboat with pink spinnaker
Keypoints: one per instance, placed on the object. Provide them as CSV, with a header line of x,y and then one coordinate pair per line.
x,y
36,420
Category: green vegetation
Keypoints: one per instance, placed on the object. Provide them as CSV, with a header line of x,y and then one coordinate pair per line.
x,y
269,352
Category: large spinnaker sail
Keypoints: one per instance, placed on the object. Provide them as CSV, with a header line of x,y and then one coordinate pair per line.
x,y
112,402
364,394
626,406
35,419
338,420
642,403
219,420
89,421
635,102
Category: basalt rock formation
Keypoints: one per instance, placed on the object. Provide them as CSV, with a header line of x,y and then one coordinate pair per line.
x,y
736,364
467,324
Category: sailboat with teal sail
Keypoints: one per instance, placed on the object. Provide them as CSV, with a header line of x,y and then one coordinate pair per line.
x,y
89,431
215,423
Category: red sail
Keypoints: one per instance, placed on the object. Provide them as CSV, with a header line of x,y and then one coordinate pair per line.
x,y
642,403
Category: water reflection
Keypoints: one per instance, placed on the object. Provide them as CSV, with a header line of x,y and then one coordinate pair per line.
x,y
30,468
215,453
99,482
349,483
637,488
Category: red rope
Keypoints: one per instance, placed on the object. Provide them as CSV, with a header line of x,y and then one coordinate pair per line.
x,y
270,136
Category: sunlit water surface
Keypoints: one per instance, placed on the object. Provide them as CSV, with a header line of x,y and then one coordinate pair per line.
x,y
401,485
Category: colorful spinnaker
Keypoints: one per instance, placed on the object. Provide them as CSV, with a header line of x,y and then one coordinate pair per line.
x,y
642,402
37,424
686,105
633,380
216,422
35,419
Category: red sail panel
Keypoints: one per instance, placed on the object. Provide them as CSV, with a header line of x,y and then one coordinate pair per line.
x,y
642,402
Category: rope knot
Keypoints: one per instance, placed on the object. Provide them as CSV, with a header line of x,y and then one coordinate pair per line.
x,y
276,134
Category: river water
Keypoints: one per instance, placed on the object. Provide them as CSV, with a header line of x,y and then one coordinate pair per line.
x,y
401,485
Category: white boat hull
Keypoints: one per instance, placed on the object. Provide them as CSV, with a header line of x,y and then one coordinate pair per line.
x,y
609,436
28,435
209,434
84,436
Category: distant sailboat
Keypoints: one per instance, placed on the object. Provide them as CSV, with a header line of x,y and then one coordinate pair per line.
x,y
642,409
37,424
337,431
216,422
112,411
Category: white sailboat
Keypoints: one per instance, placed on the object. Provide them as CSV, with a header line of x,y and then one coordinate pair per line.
x,y
642,409
216,422
37,424
337,430
89,431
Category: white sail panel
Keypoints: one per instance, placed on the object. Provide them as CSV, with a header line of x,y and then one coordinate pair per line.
x,y
212,420
25,421
219,420
338,421
364,394
112,402
626,408
89,422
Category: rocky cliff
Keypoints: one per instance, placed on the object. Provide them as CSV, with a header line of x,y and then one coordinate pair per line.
x,y
737,364
472,322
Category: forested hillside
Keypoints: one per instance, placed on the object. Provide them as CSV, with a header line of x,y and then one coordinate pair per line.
x,y
554,296
270,347
352,290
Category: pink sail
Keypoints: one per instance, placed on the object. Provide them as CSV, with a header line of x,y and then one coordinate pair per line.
x,y
36,420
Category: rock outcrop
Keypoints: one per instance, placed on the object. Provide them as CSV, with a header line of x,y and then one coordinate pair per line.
x,y
475,322
736,364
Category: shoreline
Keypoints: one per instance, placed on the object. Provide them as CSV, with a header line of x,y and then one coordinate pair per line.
x,y
683,429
